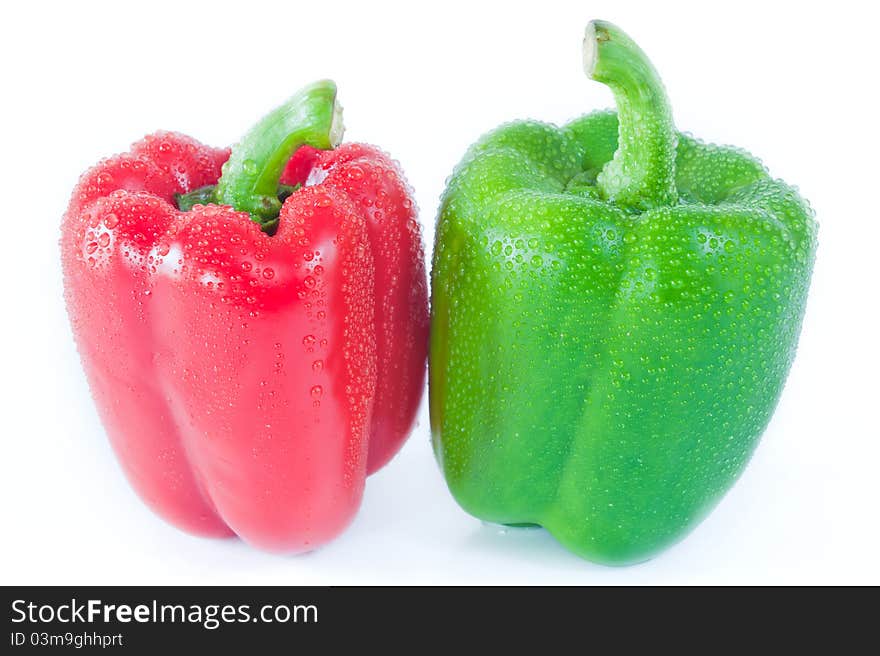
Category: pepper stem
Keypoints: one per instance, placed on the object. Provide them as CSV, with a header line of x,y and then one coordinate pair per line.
x,y
641,175
251,176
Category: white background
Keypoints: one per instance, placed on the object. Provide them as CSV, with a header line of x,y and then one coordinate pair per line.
x,y
795,85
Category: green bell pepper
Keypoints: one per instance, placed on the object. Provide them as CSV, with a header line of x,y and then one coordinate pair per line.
x,y
616,306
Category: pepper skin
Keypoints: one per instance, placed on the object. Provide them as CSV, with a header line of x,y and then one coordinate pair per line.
x,y
248,382
615,308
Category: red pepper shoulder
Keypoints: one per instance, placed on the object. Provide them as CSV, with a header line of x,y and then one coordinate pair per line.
x,y
161,164
191,163
309,166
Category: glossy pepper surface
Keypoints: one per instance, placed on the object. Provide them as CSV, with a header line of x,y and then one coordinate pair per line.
x,y
255,341
615,308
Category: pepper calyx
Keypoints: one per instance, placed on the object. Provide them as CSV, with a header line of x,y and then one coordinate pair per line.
x,y
250,178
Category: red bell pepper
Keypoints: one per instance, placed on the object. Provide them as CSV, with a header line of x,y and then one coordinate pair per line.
x,y
252,360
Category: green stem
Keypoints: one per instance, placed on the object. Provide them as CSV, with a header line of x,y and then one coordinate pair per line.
x,y
208,194
641,175
250,178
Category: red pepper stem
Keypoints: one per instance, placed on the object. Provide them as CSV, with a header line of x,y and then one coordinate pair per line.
x,y
251,176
